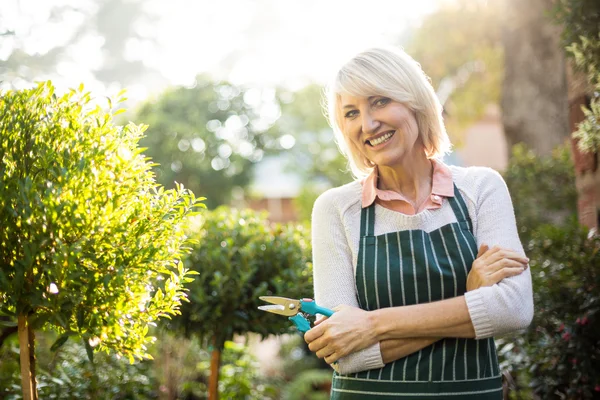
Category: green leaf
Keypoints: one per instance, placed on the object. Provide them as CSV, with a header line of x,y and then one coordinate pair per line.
x,y
89,350
62,339
38,321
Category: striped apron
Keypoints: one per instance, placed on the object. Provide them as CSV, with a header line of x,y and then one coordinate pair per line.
x,y
413,267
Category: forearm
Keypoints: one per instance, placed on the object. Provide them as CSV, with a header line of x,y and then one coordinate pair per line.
x,y
395,349
446,318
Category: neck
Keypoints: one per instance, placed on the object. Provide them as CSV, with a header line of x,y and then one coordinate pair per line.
x,y
412,178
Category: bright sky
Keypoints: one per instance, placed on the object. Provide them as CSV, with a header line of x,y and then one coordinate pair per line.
x,y
259,42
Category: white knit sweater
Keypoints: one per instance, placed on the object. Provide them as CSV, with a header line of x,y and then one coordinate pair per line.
x,y
501,308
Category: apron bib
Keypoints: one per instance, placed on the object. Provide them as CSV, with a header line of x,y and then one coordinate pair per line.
x,y
412,267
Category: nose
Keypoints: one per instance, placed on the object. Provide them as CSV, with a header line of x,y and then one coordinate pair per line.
x,y
370,124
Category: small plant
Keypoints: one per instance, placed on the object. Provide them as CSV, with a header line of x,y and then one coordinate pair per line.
x,y
558,355
240,257
565,336
90,245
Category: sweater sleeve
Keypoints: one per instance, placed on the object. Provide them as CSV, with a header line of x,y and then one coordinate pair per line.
x,y
333,273
508,305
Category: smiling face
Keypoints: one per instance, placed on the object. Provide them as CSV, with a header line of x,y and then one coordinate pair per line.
x,y
381,129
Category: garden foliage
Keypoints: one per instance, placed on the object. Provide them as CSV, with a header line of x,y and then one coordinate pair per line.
x,y
580,20
90,245
240,257
558,355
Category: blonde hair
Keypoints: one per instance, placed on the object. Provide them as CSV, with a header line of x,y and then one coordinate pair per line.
x,y
389,72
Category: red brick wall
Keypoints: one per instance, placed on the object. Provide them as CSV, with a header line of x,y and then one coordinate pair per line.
x,y
587,174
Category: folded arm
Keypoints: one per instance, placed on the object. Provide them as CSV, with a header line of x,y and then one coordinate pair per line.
x,y
334,282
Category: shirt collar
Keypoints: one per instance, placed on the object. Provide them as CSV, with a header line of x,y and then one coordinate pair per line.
x,y
442,185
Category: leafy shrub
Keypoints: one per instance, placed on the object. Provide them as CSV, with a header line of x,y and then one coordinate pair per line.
x,y
240,257
580,20
68,374
558,356
307,377
565,335
182,370
542,188
308,385
90,245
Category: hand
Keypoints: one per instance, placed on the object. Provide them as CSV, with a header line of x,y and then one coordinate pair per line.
x,y
493,265
348,330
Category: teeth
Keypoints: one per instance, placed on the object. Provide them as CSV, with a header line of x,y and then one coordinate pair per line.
x,y
379,140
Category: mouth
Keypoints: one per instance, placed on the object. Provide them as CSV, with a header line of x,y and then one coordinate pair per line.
x,y
380,139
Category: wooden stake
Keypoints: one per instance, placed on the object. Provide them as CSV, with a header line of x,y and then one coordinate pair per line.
x,y
213,382
24,357
32,361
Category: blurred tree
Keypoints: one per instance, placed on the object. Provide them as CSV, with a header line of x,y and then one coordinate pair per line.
x,y
315,155
239,258
120,24
209,136
459,47
534,94
90,245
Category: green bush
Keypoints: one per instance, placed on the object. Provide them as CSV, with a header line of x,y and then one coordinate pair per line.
x,y
181,370
240,256
580,20
558,357
90,245
542,188
307,377
565,336
67,374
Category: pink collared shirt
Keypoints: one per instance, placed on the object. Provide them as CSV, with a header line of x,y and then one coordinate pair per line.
x,y
441,187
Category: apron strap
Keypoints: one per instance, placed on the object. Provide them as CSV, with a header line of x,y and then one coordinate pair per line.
x,y
460,209
367,221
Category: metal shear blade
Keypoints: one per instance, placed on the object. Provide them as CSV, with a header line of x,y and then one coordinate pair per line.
x,y
280,305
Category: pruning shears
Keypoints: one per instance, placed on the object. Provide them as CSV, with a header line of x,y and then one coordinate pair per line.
x,y
294,309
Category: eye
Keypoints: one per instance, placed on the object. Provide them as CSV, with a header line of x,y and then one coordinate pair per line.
x,y
380,102
351,114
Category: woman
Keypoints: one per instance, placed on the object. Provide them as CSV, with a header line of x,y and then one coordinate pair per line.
x,y
422,262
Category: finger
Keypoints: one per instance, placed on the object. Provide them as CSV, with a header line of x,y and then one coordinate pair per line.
x,y
507,254
504,273
320,319
314,333
325,352
331,358
503,263
317,345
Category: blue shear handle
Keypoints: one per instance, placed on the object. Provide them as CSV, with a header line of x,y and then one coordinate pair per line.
x,y
301,323
312,308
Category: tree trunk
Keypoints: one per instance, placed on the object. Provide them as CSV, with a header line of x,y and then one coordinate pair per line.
x,y
215,364
534,93
32,361
26,377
